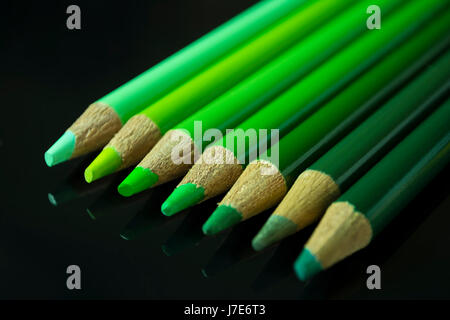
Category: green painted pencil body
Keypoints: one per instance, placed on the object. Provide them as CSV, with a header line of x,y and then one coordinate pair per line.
x,y
118,106
349,158
300,101
237,104
434,131
371,203
226,111
305,97
143,90
185,100
322,183
162,115
320,131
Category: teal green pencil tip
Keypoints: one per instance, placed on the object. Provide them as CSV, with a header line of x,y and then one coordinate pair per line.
x,y
166,250
61,150
138,180
222,218
306,266
275,229
52,200
91,215
204,273
124,236
107,162
182,197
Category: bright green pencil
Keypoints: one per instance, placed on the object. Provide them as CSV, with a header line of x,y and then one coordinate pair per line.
x,y
254,192
370,204
241,101
323,182
221,164
143,130
102,119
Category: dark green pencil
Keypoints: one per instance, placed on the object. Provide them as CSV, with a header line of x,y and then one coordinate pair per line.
x,y
322,183
371,203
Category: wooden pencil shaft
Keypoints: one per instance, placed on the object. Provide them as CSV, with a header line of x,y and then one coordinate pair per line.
x,y
363,147
240,63
430,140
304,98
300,146
239,102
139,92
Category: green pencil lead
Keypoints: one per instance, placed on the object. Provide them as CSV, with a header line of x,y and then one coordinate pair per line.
x,y
222,218
276,228
61,150
182,197
124,236
306,266
138,180
90,214
52,200
107,162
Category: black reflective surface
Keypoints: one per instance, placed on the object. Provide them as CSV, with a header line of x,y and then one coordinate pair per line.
x,y
125,247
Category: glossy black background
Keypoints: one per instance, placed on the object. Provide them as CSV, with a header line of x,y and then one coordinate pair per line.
x,y
49,75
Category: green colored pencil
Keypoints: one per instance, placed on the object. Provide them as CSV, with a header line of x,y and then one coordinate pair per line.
x,y
350,223
254,192
316,188
241,101
102,119
221,164
143,130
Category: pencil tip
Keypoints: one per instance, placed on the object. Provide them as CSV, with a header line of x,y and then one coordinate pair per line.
x,y
107,162
138,180
52,200
275,229
124,236
61,150
182,197
91,214
307,266
222,218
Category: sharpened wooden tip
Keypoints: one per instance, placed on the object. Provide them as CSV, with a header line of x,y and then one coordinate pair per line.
x,y
261,186
135,140
171,157
216,171
309,197
341,232
94,128
306,201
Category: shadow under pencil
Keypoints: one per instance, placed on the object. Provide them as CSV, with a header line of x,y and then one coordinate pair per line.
x,y
73,187
189,234
237,246
150,216
110,200
280,264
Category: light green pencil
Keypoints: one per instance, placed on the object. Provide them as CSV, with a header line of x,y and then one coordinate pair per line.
x,y
223,162
102,119
143,130
248,96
